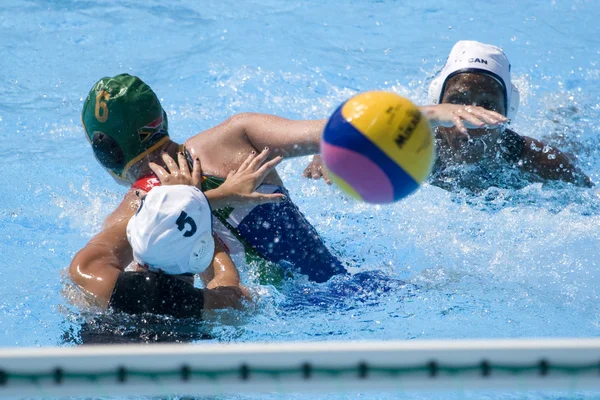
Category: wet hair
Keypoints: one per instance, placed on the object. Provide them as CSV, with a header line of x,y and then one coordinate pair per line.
x,y
107,151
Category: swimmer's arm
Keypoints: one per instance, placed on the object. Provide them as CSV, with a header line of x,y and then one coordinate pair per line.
x,y
240,186
125,210
550,163
97,266
224,288
295,138
285,137
461,116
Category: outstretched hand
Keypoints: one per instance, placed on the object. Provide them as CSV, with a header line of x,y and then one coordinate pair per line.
x,y
462,116
178,173
240,185
316,169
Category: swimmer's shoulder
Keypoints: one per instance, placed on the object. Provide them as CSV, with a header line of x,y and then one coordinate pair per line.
x,y
518,146
125,210
513,145
229,134
222,150
218,149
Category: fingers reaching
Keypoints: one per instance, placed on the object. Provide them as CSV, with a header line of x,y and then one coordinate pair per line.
x,y
486,116
261,198
462,116
171,164
183,165
307,173
259,159
247,161
241,184
177,173
316,169
326,176
159,171
267,167
197,173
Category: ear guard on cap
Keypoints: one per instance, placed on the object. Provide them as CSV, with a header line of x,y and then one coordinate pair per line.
x,y
109,154
107,151
202,253
434,96
513,106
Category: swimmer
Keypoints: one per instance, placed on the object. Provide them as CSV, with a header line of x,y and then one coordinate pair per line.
x,y
128,130
169,239
477,74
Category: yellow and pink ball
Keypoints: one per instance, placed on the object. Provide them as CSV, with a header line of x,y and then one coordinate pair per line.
x,y
377,147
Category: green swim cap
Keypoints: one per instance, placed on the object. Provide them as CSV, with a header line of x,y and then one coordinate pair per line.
x,y
124,121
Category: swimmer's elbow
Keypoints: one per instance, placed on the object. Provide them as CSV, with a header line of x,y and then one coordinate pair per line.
x,y
85,265
78,268
73,271
243,122
255,122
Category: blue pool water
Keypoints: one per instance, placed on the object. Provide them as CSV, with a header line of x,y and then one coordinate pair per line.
x,y
500,264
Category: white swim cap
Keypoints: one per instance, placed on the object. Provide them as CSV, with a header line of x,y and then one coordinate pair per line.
x,y
172,231
472,56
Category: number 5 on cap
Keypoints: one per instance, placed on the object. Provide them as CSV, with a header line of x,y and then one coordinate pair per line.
x,y
183,220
